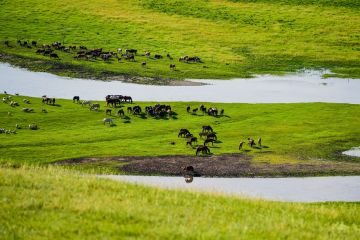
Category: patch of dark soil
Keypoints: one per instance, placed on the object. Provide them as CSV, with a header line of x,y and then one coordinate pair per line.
x,y
225,165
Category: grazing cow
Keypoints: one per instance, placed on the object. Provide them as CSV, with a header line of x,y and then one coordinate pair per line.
x,y
108,111
94,106
191,140
172,66
134,51
33,126
213,111
27,101
128,99
188,109
108,120
76,98
158,56
33,43
121,113
203,149
195,110
84,103
129,110
54,55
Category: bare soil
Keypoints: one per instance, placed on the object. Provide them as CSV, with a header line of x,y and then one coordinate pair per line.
x,y
226,165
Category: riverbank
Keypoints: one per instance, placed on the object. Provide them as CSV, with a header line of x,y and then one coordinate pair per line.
x,y
56,204
223,165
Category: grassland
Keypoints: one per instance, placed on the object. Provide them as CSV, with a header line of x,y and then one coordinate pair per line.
x,y
291,133
233,38
38,203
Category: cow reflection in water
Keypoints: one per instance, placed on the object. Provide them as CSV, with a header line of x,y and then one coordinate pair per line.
x,y
188,178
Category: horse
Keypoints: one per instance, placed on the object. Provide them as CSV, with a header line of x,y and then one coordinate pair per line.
x,y
188,109
158,56
209,140
191,140
259,142
128,99
241,145
143,64
76,98
183,132
108,111
211,136
129,109
203,149
108,120
207,128
172,66
195,110
120,113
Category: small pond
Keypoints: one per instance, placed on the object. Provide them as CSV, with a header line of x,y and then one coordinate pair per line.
x,y
307,189
305,86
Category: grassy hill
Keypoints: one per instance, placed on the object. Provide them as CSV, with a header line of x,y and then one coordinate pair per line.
x,y
233,38
40,203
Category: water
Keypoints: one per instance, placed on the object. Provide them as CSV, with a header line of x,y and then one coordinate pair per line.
x,y
354,152
307,86
308,189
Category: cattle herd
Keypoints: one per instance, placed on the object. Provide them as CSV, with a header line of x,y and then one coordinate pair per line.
x,y
84,53
207,133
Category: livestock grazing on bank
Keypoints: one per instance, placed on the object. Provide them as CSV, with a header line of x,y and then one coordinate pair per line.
x,y
159,110
76,99
48,100
202,149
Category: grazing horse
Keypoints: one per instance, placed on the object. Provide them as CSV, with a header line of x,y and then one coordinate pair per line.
x,y
207,128
195,110
172,66
212,111
120,113
108,120
211,136
128,99
203,149
241,145
76,98
209,140
129,109
259,142
251,142
188,109
108,111
191,140
136,110
183,132
158,56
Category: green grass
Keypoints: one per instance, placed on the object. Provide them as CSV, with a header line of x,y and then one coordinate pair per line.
x,y
234,38
293,133
38,203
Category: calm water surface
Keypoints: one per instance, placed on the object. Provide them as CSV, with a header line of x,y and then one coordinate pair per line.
x,y
307,86
308,189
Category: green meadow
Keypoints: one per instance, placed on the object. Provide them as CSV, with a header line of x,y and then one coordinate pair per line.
x,y
233,38
39,203
291,133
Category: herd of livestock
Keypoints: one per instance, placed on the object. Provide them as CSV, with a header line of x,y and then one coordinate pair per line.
x,y
207,134
84,53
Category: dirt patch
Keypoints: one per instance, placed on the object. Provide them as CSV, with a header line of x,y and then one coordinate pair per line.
x,y
226,165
